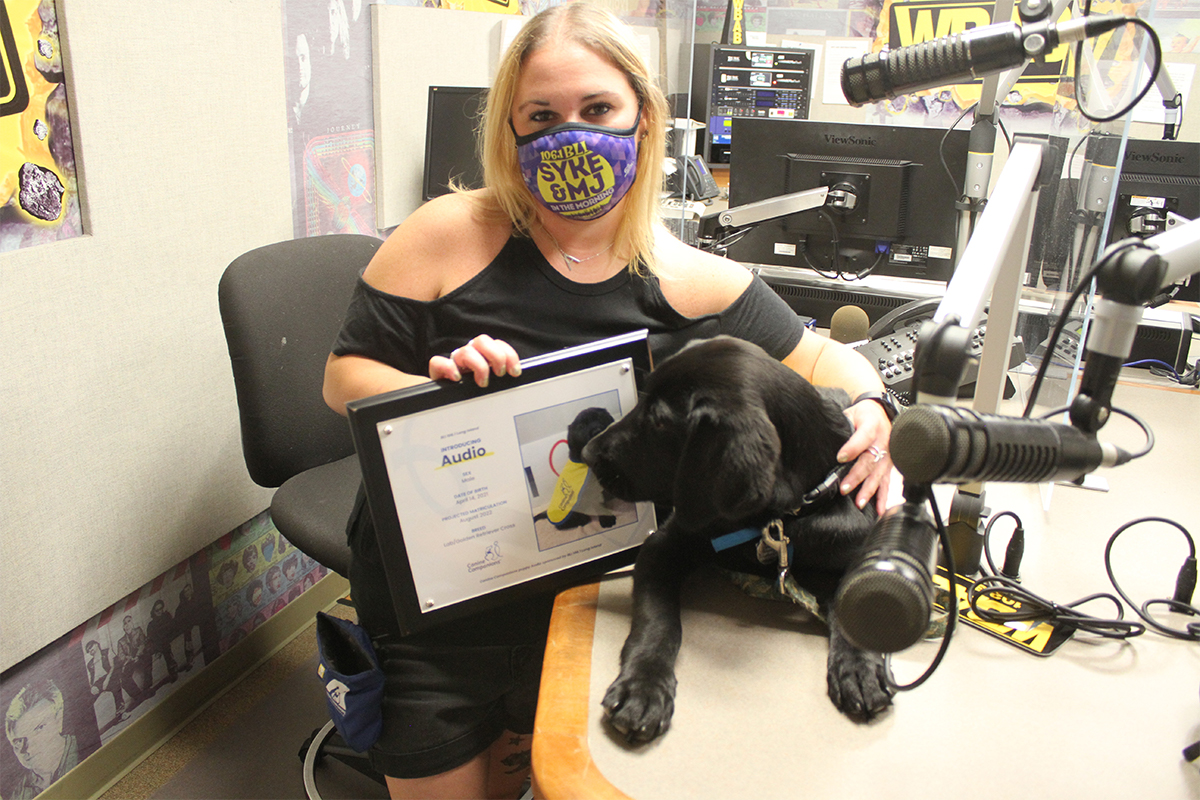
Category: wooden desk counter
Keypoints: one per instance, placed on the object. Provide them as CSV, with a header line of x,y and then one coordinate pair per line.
x,y
1098,719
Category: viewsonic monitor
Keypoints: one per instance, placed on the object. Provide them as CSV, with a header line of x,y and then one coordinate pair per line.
x,y
906,182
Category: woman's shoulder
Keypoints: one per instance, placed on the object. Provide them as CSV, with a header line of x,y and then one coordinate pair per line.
x,y
696,283
442,244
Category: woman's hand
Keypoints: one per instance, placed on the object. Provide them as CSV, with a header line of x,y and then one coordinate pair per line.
x,y
867,447
483,356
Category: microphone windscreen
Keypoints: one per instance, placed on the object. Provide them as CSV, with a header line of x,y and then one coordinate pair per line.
x,y
922,444
849,324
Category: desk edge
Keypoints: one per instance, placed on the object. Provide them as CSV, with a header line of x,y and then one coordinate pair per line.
x,y
562,761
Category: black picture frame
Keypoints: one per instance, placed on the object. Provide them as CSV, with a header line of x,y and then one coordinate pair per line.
x,y
372,421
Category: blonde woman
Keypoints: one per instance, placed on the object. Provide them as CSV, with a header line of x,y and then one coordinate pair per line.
x,y
562,247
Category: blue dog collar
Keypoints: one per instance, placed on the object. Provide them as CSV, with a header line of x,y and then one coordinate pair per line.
x,y
729,540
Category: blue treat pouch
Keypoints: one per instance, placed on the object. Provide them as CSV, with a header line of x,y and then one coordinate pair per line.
x,y
349,670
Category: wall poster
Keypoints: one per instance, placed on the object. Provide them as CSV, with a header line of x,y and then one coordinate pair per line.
x,y
331,121
39,193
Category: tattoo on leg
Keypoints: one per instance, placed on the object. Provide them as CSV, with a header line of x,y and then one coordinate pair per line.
x,y
517,761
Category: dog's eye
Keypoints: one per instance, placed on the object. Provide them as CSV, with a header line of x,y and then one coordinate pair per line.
x,y
659,418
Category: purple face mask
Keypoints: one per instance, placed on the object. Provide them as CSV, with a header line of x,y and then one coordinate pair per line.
x,y
579,171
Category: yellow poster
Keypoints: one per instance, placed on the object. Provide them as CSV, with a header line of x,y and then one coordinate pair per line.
x,y
38,191
493,6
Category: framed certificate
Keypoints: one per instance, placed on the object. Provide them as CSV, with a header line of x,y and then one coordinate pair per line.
x,y
466,485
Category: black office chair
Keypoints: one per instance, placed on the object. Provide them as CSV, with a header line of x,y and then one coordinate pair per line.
x,y
282,306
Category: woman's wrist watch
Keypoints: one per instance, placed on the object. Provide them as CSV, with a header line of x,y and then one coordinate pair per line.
x,y
884,399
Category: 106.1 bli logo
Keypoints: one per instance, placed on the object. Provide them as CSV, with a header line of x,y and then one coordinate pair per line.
x,y
575,175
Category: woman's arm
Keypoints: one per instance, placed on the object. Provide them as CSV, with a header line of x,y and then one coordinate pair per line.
x,y
828,363
440,246
707,284
353,377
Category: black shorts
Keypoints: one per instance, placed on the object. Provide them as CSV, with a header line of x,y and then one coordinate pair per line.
x,y
444,705
449,692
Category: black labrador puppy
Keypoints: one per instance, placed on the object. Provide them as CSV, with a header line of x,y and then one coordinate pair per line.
x,y
589,503
731,438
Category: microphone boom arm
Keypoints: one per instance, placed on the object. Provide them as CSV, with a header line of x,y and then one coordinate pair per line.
x,y
1125,285
991,266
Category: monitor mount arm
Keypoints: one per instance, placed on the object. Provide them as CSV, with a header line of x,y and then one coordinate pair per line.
x,y
715,227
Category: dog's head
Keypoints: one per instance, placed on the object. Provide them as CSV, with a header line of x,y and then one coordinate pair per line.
x,y
723,432
586,425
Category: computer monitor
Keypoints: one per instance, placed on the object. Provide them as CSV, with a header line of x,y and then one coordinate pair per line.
x,y
906,182
730,81
450,153
1157,178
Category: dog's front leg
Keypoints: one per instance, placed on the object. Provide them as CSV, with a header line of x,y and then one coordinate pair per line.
x,y
640,702
858,680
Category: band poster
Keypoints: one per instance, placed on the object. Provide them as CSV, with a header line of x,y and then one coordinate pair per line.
x,y
474,484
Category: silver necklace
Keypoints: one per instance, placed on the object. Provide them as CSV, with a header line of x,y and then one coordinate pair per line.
x,y
569,259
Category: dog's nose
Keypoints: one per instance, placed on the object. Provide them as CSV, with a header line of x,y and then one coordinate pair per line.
x,y
591,452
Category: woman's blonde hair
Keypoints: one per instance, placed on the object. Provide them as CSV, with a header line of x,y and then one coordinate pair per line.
x,y
600,31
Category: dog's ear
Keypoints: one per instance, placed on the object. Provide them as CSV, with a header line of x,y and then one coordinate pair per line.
x,y
729,465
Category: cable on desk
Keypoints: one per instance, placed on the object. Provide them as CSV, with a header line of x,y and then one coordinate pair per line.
x,y
1192,752
1185,585
1162,369
1007,591
1013,553
1192,376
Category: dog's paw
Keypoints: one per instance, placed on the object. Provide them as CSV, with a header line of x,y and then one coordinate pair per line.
x,y
858,684
640,706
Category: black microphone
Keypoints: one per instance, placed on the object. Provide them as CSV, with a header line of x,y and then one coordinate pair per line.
x,y
948,444
884,601
961,57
